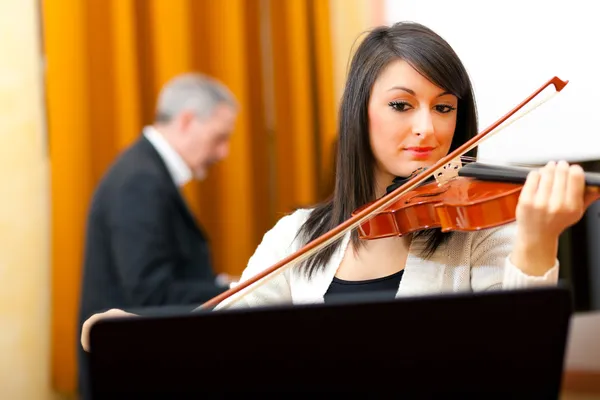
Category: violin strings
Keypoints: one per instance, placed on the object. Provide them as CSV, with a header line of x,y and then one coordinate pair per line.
x,y
468,160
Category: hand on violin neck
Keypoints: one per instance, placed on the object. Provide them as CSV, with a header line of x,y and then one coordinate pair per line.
x,y
551,200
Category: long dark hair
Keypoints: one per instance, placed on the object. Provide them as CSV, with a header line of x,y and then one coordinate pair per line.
x,y
433,57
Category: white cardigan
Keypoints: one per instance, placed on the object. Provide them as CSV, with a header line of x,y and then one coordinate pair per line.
x,y
469,261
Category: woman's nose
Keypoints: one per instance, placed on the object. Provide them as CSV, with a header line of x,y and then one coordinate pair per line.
x,y
423,123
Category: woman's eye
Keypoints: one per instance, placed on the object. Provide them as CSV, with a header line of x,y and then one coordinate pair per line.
x,y
399,105
444,108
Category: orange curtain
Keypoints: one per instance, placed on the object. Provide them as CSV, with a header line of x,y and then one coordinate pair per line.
x,y
106,62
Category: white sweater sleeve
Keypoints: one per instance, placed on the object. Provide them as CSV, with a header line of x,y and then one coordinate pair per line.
x,y
491,267
277,243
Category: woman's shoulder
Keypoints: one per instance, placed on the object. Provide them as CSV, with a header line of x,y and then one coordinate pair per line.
x,y
502,231
285,231
278,242
487,239
297,217
291,222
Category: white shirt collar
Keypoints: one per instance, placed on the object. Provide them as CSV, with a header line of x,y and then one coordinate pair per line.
x,y
178,169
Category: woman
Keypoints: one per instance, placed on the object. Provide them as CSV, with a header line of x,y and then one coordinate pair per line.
x,y
408,101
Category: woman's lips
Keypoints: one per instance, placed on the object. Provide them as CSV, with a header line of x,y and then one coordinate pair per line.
x,y
419,151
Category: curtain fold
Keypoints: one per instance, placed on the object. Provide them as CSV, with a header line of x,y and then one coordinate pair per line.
x,y
106,62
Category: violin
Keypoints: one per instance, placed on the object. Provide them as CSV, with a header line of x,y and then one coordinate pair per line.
x,y
481,197
462,198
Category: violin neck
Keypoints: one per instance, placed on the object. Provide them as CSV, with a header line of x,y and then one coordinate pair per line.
x,y
511,174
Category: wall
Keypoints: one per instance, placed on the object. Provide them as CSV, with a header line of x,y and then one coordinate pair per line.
x,y
24,239
511,48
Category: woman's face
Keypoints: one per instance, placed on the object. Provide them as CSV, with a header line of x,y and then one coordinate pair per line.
x,y
411,122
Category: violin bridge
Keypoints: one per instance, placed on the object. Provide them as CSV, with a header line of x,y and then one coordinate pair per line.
x,y
448,171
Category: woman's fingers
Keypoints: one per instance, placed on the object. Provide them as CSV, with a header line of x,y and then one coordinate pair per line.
x,y
552,199
528,193
544,191
559,187
87,325
575,190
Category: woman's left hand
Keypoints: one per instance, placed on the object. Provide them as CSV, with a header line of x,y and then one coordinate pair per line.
x,y
551,200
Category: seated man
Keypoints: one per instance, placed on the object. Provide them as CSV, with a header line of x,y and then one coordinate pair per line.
x,y
144,247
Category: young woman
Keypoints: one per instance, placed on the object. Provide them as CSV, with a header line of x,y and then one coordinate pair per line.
x,y
408,102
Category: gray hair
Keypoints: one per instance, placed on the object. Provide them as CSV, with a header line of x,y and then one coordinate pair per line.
x,y
198,93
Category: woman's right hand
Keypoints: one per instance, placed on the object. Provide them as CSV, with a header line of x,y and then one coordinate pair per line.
x,y
87,325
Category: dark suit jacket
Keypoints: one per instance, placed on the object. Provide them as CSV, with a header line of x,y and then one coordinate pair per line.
x,y
143,246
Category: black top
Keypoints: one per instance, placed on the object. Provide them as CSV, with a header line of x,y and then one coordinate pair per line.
x,y
387,284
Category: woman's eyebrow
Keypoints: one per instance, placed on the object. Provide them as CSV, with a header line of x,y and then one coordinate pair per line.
x,y
412,92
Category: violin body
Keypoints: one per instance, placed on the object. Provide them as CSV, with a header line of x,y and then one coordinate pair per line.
x,y
481,196
462,204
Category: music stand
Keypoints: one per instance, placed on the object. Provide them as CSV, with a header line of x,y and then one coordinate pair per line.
x,y
500,344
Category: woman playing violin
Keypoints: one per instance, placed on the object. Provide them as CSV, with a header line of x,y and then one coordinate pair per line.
x,y
407,103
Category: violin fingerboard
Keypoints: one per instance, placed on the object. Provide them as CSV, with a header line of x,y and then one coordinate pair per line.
x,y
448,171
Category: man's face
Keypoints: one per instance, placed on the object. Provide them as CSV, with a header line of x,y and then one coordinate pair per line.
x,y
208,139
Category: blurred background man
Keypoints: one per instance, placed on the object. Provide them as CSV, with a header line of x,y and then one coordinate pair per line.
x,y
144,246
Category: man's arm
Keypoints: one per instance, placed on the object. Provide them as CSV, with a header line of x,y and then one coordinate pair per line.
x,y
145,253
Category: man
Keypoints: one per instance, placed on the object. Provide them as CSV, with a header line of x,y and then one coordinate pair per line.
x,y
143,245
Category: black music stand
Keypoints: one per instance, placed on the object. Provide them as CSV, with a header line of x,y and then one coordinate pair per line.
x,y
501,344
